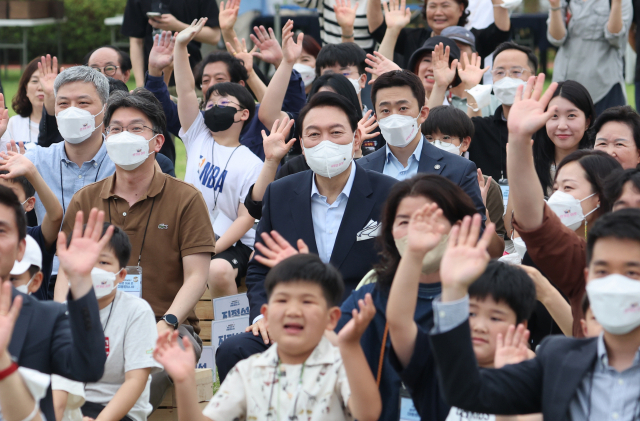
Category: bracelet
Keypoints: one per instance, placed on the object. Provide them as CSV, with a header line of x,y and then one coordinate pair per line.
x,y
8,371
553,9
347,36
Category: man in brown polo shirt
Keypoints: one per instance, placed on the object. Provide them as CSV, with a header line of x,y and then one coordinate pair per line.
x,y
166,219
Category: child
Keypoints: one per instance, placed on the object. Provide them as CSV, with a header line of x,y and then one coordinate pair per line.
x,y
590,326
502,297
130,334
21,176
26,275
302,375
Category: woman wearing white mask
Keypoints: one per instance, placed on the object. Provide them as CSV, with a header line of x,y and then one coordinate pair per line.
x,y
306,63
548,228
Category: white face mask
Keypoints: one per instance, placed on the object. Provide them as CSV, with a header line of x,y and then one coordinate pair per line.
x,y
328,159
356,84
399,130
76,125
447,147
25,288
505,89
431,260
128,150
103,282
568,209
307,73
615,303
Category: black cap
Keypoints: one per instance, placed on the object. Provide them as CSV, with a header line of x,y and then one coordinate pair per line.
x,y
430,45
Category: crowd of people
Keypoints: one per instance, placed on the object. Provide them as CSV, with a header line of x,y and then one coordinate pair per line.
x,y
425,228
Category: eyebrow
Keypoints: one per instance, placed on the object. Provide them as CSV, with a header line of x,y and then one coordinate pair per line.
x,y
318,128
402,101
615,140
78,97
135,120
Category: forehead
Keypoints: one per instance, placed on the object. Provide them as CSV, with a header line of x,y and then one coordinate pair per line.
x,y
125,115
337,68
489,303
410,204
573,171
437,2
7,217
511,58
215,96
14,186
615,129
325,117
75,89
300,287
103,56
616,251
563,104
395,94
216,68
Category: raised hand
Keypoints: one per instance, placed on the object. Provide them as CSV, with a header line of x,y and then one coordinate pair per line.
x,y
470,71
443,72
396,15
8,314
466,257
541,283
270,51
527,114
16,164
189,33
512,349
178,363
291,50
228,14
161,55
275,249
4,116
275,145
424,231
239,51
379,64
484,187
345,15
48,69
16,147
367,125
78,259
351,333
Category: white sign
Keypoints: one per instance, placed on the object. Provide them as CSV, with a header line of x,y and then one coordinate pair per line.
x,y
132,283
223,329
208,360
231,306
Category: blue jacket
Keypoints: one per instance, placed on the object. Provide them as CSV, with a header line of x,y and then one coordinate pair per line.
x,y
287,209
251,136
459,170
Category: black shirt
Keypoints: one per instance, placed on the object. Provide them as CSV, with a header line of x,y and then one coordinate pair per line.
x,y
410,39
136,22
488,148
47,262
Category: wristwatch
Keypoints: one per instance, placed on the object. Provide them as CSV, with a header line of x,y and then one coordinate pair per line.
x,y
171,320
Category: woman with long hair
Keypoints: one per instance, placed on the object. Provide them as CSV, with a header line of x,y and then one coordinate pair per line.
x,y
28,103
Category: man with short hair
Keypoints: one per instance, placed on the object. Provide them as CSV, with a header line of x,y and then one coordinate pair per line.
x,y
110,61
166,219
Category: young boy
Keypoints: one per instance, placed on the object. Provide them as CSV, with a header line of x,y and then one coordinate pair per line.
x,y
218,165
302,375
130,333
590,326
21,176
26,275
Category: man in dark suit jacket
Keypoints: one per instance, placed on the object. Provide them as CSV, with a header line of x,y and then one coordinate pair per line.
x,y
45,337
569,379
312,206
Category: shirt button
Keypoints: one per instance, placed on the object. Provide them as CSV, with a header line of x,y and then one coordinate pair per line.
x,y
330,232
95,164
79,176
124,214
614,415
442,314
620,381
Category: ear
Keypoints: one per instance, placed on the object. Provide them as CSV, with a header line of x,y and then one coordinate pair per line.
x,y
156,143
120,276
126,76
241,83
583,327
586,274
464,146
22,246
357,141
264,310
362,80
244,116
334,316
36,283
424,113
31,203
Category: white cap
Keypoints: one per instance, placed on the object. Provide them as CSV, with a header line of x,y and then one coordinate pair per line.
x,y
32,256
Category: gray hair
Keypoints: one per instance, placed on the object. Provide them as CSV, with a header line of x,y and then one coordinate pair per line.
x,y
83,74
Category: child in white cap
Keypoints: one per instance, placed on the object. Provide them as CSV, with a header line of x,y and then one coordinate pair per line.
x,y
26,274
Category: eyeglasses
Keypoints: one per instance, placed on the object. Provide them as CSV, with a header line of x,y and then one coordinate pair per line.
x,y
515,72
223,103
109,70
135,128
443,139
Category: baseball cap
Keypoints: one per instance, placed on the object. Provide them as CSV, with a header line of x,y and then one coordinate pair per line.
x,y
430,45
461,34
32,256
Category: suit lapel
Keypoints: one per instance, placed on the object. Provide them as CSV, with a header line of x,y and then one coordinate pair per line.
x,y
431,159
377,160
576,365
300,206
22,326
356,216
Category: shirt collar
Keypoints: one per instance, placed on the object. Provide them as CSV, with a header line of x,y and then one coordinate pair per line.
x,y
322,354
99,157
603,358
347,187
416,153
156,186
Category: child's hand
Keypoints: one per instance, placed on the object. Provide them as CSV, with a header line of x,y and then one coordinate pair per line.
x,y
291,51
189,33
178,363
351,333
513,348
16,165
378,65
466,257
424,231
275,145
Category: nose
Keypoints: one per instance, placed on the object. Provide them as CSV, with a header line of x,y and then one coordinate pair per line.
x,y
477,325
562,123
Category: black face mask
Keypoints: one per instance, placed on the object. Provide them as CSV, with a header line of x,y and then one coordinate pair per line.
x,y
219,119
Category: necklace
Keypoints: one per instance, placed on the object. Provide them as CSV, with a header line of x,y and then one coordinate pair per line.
x,y
293,416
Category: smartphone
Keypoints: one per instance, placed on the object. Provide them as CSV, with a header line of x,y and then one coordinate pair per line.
x,y
151,15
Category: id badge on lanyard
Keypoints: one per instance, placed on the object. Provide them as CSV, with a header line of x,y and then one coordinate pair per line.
x,y
132,283
408,410
504,187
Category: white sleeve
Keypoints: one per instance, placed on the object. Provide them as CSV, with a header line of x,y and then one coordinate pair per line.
x,y
196,130
229,402
342,386
249,180
140,339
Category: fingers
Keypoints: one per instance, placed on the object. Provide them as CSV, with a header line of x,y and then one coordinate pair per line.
x,y
474,231
454,234
526,94
302,247
275,126
280,240
77,226
264,334
62,243
509,336
539,85
270,242
546,98
265,251
489,231
464,230
91,222
499,342
230,48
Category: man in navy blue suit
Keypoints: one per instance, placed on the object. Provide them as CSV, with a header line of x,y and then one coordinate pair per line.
x,y
48,336
334,208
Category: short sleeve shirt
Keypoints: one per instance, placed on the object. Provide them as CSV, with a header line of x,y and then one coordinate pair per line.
x,y
130,337
250,393
178,226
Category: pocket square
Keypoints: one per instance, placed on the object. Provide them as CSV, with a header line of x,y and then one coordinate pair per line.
x,y
370,231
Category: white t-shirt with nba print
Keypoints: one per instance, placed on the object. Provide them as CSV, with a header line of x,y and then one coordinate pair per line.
x,y
224,184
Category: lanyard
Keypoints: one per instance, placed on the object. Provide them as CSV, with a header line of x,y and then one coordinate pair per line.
x,y
64,210
293,416
145,228
215,197
113,303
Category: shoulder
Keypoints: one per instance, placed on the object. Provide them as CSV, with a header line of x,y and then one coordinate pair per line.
x,y
39,153
91,190
51,309
380,180
372,156
180,187
249,158
291,181
133,306
554,345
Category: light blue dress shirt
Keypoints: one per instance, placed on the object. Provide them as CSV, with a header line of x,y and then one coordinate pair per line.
x,y
393,167
63,176
328,217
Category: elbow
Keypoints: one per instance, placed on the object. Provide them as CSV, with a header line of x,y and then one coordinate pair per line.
x,y
372,411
